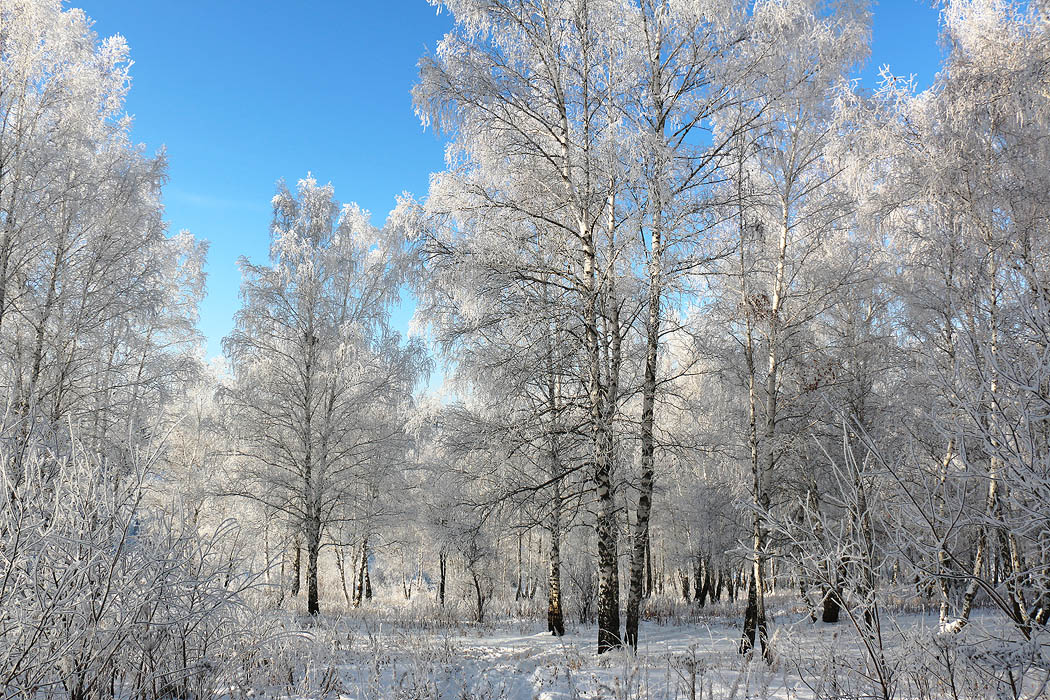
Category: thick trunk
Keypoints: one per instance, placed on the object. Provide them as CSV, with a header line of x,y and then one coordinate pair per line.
x,y
313,550
832,606
699,587
480,599
755,616
555,619
635,591
747,641
648,565
608,575
360,572
605,526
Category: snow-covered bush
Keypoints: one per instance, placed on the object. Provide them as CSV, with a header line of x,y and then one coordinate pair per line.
x,y
101,595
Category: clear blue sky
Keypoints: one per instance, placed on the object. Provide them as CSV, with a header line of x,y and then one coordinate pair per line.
x,y
243,93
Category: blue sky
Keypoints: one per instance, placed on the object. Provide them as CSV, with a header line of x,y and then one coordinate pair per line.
x,y
244,93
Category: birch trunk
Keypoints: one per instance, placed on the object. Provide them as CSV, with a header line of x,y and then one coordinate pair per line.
x,y
645,486
313,550
755,620
339,565
605,525
297,566
555,619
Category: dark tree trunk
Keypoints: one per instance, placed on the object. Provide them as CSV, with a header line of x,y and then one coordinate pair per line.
x,y
359,575
339,564
703,583
608,574
368,577
519,593
481,598
755,624
442,571
555,619
606,529
747,642
832,606
313,550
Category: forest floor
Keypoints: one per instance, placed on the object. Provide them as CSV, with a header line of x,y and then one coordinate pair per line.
x,y
365,656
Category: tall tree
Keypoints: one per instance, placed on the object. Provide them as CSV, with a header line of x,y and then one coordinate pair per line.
x,y
321,380
527,90
789,207
690,70
97,303
969,229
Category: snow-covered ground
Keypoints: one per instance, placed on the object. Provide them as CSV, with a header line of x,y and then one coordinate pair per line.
x,y
523,661
361,657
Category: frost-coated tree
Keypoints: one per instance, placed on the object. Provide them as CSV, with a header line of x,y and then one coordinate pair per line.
x,y
496,305
527,90
602,133
970,233
321,381
101,590
690,69
97,305
789,216
724,332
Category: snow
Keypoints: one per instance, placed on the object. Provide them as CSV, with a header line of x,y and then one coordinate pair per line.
x,y
524,661
358,656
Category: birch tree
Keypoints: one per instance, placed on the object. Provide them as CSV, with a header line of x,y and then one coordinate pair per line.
x,y
690,69
788,212
969,231
97,303
525,90
321,380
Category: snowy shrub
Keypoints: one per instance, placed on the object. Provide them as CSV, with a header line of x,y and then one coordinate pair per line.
x,y
100,595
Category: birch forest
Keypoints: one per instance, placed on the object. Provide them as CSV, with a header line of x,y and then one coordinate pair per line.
x,y
728,377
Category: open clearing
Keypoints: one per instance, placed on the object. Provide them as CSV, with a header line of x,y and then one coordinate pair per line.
x,y
359,656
